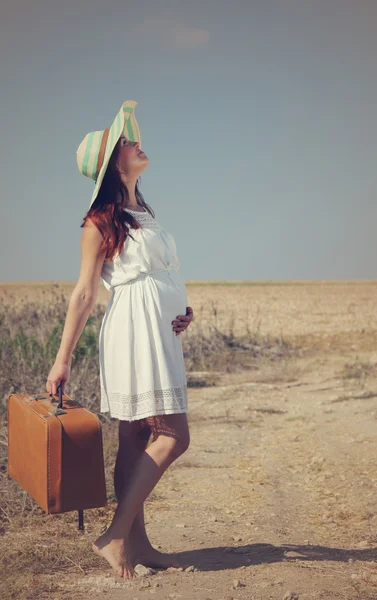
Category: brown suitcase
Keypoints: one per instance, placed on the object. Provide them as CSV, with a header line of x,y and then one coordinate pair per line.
x,y
55,452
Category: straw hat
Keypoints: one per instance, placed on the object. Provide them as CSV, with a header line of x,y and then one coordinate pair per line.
x,y
94,152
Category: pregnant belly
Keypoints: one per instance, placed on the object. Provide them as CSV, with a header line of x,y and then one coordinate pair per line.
x,y
171,293
161,293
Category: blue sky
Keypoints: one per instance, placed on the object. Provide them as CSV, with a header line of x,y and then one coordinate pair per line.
x,y
258,117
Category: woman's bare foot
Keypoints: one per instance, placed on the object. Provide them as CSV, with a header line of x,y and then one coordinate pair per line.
x,y
117,553
150,557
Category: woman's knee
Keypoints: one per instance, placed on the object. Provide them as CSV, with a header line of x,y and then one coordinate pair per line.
x,y
182,442
173,431
174,446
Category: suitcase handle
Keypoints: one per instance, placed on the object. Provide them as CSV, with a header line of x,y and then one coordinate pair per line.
x,y
59,408
59,388
60,392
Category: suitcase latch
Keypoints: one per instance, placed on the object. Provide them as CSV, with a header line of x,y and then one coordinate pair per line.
x,y
58,411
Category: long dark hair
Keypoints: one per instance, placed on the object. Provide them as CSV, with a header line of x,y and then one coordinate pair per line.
x,y
108,213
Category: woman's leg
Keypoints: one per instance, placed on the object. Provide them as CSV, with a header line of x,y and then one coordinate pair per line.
x,y
133,440
171,439
142,550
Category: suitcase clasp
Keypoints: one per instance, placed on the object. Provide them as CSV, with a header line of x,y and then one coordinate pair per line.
x,y
59,409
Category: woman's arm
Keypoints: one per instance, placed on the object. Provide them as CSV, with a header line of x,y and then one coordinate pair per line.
x,y
80,305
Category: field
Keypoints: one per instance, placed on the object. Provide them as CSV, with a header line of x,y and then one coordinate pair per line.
x,y
275,497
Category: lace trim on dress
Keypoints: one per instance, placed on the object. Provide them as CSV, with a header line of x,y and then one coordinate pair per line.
x,y
137,406
145,219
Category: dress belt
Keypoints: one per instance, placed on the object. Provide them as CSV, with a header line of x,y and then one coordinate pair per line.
x,y
142,275
168,270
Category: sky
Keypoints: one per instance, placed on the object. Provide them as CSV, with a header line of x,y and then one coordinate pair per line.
x,y
258,118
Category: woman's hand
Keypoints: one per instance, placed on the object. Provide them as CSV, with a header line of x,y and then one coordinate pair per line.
x,y
59,374
183,321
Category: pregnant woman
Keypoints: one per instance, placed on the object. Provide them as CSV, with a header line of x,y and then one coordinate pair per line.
x,y
142,371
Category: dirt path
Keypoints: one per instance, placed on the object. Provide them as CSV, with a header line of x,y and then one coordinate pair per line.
x,y
276,494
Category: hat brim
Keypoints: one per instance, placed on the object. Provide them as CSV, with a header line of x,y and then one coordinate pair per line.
x,y
124,123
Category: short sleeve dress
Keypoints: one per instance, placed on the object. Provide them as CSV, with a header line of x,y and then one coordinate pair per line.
x,y
142,370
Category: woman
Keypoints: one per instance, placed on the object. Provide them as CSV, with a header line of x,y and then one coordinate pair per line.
x,y
142,373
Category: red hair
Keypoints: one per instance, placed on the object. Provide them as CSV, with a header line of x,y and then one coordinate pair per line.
x,y
108,214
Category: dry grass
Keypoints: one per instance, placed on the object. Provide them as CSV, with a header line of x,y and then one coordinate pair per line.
x,y
30,331
236,328
30,334
308,312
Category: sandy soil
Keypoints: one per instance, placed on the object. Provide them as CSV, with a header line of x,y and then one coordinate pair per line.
x,y
276,495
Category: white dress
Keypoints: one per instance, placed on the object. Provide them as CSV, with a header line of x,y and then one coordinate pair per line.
x,y
142,369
